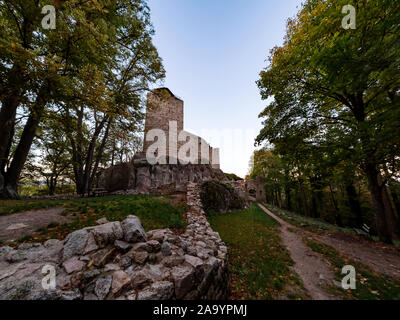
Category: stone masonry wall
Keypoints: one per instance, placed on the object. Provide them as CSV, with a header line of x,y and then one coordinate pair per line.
x,y
119,260
243,187
154,179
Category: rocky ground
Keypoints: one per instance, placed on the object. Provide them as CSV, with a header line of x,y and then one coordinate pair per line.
x,y
119,260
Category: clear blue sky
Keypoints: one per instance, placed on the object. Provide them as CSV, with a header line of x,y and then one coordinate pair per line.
x,y
213,51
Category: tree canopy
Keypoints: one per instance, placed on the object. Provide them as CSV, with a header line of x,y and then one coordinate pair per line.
x,y
86,75
336,96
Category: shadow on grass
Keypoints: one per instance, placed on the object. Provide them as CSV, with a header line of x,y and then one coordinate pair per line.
x,y
259,264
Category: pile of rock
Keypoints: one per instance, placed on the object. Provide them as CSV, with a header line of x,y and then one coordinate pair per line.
x,y
119,260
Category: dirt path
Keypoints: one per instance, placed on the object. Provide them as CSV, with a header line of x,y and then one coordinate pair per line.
x,y
380,258
18,225
313,271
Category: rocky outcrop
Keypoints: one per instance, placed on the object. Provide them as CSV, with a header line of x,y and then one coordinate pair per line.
x,y
119,260
220,197
164,179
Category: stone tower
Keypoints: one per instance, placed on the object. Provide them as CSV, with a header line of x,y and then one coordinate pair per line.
x,y
162,107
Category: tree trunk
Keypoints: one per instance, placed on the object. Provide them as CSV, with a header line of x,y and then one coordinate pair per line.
x,y
15,88
314,209
288,201
396,201
371,170
354,203
280,198
376,191
52,186
338,217
100,152
7,122
89,156
304,200
21,153
391,219
1,184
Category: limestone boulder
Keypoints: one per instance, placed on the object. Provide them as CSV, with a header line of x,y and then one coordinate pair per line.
x,y
163,290
133,230
107,233
75,243
102,287
183,279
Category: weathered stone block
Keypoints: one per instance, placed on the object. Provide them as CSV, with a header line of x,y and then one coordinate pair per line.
x,y
183,279
73,265
75,243
133,230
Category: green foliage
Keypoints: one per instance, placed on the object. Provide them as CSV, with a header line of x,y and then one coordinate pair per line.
x,y
232,176
27,190
86,78
311,224
220,197
334,110
14,206
259,264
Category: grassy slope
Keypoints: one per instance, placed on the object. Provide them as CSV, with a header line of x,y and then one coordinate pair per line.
x,y
154,213
13,206
312,224
369,284
307,223
259,264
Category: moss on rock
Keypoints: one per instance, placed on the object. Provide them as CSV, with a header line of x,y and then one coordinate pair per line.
x,y
220,197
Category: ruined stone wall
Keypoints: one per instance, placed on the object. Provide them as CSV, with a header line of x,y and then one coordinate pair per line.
x,y
258,186
120,261
240,187
161,179
244,188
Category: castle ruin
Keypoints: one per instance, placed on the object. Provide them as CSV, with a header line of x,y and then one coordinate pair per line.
x,y
165,112
144,176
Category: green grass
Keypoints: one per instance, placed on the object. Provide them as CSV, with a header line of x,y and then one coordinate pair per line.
x,y
312,224
13,206
259,264
308,223
154,213
369,284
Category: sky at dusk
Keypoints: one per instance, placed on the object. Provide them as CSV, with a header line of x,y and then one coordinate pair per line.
x,y
213,52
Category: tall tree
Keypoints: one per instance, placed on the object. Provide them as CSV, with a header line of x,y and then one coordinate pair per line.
x,y
39,67
325,78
